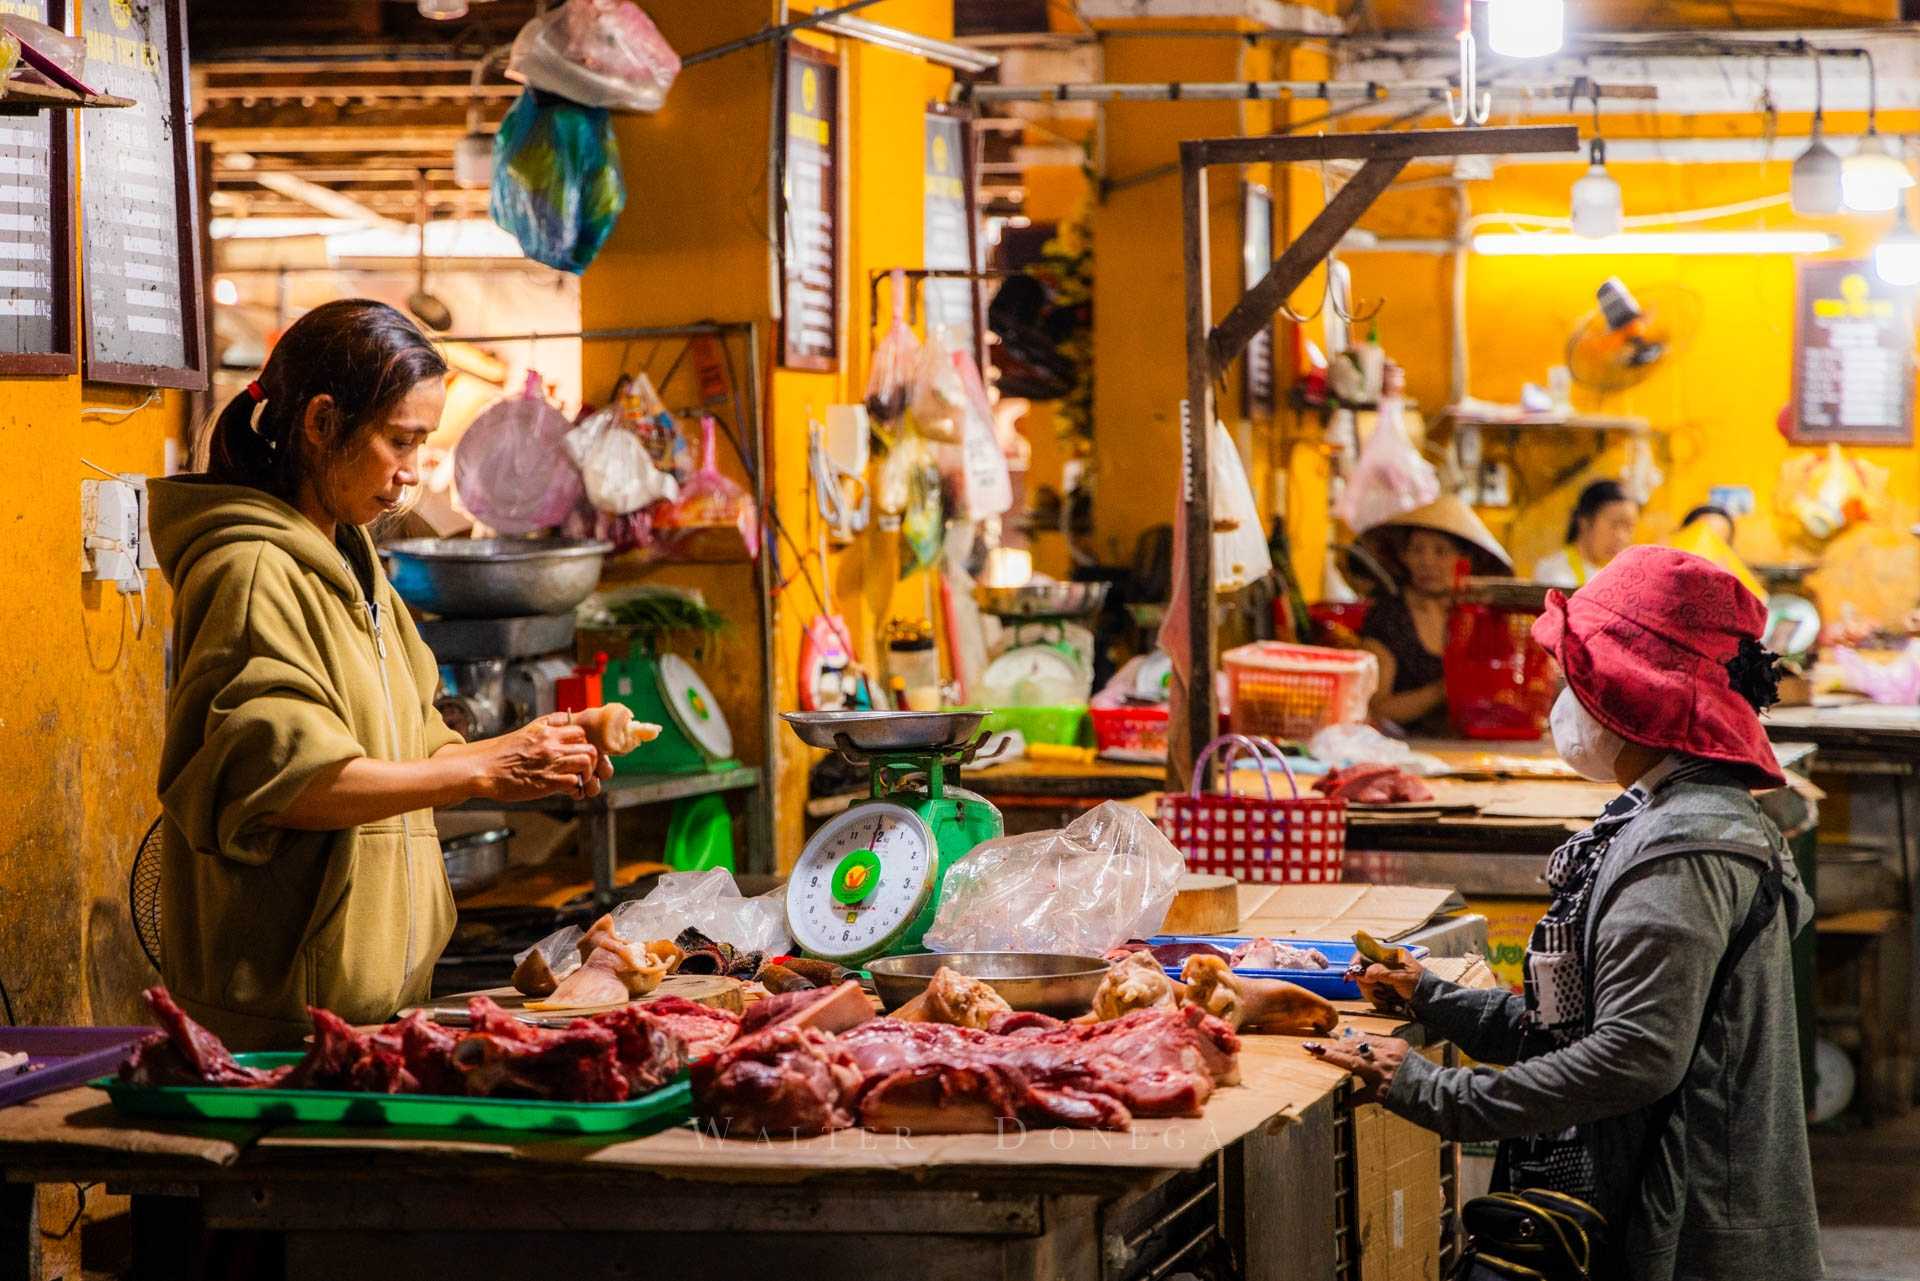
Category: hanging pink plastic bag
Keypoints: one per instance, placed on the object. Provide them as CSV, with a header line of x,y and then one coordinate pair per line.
x,y
714,519
1391,478
895,357
598,53
511,468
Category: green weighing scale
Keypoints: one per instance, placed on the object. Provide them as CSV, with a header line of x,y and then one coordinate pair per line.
x,y
694,739
868,883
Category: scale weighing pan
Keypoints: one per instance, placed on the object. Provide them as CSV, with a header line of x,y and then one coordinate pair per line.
x,y
887,731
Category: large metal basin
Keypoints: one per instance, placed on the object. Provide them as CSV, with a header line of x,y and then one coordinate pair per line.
x,y
494,577
1060,984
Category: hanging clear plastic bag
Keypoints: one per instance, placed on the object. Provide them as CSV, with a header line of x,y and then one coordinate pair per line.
x,y
923,519
67,54
511,467
556,180
714,517
707,901
1391,478
1109,876
618,475
895,358
1240,552
647,416
939,403
598,53
972,460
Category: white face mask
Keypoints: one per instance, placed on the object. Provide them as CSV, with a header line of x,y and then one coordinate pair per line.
x,y
1583,742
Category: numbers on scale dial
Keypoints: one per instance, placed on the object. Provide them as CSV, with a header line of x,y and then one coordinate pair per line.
x,y
904,848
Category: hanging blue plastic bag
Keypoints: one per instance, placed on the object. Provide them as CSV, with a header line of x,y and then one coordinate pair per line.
x,y
556,180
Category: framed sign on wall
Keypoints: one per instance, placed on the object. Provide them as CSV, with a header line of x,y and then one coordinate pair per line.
x,y
140,245
1852,358
810,209
36,230
949,240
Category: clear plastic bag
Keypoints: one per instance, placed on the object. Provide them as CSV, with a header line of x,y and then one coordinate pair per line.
x,y
939,401
1344,746
707,901
895,358
598,53
923,521
1109,876
1240,552
1390,479
950,391
512,469
614,466
67,54
556,180
714,518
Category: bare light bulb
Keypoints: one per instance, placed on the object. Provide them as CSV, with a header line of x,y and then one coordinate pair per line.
x,y
443,10
1816,177
1596,199
1871,180
1896,259
1526,28
225,292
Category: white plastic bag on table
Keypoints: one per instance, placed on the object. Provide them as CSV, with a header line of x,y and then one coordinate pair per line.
x,y
598,53
1109,876
511,467
615,467
708,901
1344,746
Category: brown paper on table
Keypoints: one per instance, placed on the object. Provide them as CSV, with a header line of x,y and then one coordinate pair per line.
x,y
1332,912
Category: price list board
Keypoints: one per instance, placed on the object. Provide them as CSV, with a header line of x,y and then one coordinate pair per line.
x,y
1256,252
948,240
36,231
1853,363
810,205
139,241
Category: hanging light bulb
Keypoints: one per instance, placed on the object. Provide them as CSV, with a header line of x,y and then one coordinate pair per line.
x,y
1596,198
1526,28
1896,259
443,10
1871,180
1816,174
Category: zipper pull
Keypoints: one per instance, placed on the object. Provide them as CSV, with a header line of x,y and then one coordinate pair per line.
x,y
379,637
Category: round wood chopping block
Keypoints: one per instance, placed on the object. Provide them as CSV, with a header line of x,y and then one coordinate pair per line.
x,y
1204,904
715,990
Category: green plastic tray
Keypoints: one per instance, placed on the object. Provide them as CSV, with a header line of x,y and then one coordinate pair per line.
x,y
666,1107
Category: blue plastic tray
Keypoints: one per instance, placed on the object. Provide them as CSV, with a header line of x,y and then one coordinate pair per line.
x,y
1329,982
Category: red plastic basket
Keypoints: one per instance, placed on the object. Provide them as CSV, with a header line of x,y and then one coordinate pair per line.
x,y
1130,729
1252,838
1278,690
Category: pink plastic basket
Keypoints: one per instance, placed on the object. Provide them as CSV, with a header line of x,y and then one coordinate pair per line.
x,y
1280,690
1263,840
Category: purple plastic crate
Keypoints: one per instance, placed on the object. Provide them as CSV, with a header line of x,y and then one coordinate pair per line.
x,y
59,1057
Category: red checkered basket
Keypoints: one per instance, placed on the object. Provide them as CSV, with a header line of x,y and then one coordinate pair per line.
x,y
1250,838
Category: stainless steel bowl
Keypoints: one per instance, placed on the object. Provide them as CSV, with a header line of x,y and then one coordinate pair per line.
x,y
886,731
494,577
475,860
1043,600
1060,984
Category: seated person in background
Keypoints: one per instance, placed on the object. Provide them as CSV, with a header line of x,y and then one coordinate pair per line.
x,y
1406,630
1718,519
1600,528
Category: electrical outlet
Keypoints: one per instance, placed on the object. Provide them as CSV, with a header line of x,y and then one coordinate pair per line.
x,y
113,524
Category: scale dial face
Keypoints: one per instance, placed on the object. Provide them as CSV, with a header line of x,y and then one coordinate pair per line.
x,y
861,882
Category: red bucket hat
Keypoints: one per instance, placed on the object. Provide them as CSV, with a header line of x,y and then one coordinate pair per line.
x,y
1645,647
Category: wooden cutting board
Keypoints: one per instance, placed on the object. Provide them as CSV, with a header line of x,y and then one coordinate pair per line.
x,y
702,989
1204,904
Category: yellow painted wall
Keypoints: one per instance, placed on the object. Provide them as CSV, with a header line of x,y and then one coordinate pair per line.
x,y
694,243
81,708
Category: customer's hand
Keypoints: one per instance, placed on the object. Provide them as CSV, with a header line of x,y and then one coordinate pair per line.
x,y
549,757
1390,987
1373,1060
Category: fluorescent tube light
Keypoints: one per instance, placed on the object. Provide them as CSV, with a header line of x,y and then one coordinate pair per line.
x,y
1542,244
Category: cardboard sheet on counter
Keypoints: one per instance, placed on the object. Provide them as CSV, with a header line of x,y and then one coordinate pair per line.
x,y
1279,1081
80,1124
1336,911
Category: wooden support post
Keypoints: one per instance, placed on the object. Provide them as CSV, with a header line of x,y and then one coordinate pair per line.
x,y
1196,437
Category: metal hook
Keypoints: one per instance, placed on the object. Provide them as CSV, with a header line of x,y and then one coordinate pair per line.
x,y
1474,105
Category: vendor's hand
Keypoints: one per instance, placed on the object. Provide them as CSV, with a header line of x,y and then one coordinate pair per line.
x,y
1389,987
549,757
1373,1060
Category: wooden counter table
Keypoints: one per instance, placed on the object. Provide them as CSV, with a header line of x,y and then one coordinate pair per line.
x,y
1267,1175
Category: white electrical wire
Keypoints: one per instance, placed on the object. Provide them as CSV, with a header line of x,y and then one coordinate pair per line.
x,y
117,415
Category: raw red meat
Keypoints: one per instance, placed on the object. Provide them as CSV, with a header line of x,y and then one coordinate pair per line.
x,y
831,1009
934,1078
343,1059
704,1030
184,1053
1373,785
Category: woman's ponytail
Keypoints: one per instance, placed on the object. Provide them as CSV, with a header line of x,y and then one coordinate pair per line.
x,y
237,454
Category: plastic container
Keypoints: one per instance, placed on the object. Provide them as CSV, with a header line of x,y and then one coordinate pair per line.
x,y
1283,691
1065,726
668,1106
1331,982
1140,730
1499,682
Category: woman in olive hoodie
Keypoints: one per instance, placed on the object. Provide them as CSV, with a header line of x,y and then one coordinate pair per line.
x,y
303,754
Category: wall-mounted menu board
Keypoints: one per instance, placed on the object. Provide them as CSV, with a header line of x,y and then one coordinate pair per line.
x,y
1256,253
140,245
36,230
947,240
1852,358
810,205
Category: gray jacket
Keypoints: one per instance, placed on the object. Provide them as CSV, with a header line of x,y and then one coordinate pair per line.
x,y
1727,1190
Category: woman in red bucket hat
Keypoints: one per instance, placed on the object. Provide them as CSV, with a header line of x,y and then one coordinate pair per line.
x,y
1652,1066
